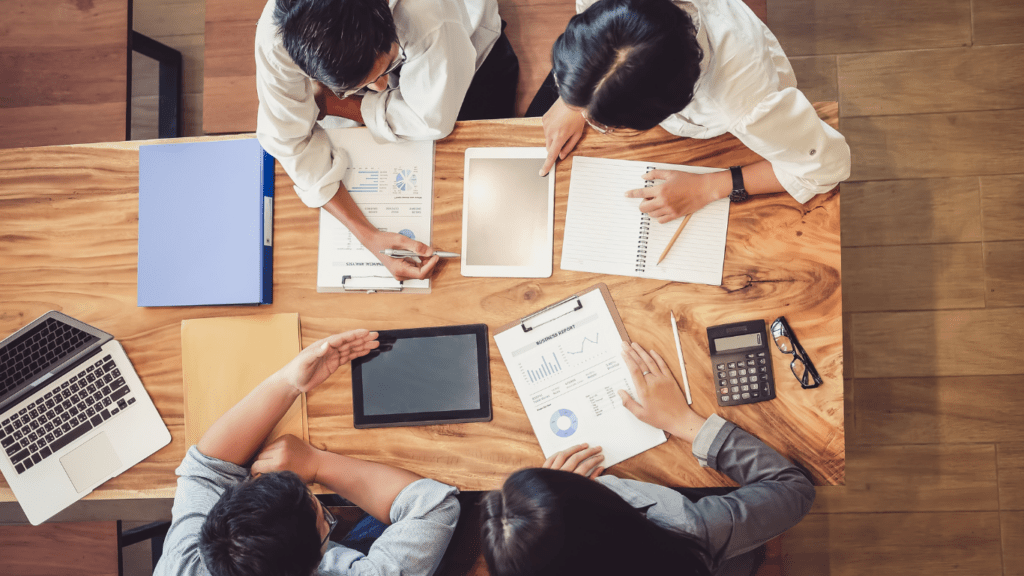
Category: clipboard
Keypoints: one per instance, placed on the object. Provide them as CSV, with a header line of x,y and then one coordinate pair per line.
x,y
557,310
566,364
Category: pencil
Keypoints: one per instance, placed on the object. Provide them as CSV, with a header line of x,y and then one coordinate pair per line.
x,y
674,236
682,366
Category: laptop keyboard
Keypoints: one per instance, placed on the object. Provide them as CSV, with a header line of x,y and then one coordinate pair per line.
x,y
37,350
64,414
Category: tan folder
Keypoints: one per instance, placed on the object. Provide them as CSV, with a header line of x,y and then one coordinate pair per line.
x,y
223,359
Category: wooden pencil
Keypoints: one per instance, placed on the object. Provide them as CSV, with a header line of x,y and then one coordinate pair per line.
x,y
674,236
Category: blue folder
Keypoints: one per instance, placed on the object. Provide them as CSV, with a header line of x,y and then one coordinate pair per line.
x,y
205,224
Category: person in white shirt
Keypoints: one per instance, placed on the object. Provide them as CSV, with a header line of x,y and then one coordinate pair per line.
x,y
699,69
406,69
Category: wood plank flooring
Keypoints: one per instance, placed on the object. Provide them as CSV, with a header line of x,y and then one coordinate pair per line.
x,y
932,105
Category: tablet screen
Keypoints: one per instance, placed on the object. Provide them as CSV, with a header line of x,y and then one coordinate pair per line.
x,y
436,374
423,376
508,212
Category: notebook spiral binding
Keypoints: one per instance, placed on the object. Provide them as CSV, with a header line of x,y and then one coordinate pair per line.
x,y
645,232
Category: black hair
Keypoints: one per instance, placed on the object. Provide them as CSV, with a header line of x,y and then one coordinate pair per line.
x,y
263,526
549,522
629,63
336,42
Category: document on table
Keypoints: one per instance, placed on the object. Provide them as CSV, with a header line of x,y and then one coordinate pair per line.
x,y
393,185
567,368
605,232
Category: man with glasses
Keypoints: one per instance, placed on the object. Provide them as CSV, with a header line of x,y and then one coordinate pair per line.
x,y
407,70
229,520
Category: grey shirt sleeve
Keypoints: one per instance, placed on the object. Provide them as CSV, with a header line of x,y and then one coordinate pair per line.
x,y
423,518
774,494
201,481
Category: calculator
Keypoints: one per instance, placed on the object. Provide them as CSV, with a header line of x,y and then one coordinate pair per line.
x,y
741,363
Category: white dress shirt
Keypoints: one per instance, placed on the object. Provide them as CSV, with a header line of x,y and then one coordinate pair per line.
x,y
445,42
747,88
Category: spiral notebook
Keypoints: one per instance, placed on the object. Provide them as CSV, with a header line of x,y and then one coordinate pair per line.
x,y
606,233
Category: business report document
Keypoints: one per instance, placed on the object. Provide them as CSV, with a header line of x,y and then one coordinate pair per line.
x,y
567,371
393,185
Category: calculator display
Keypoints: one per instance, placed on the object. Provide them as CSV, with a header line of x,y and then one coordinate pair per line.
x,y
737,342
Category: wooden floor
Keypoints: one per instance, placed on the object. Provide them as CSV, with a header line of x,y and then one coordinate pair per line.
x,y
932,102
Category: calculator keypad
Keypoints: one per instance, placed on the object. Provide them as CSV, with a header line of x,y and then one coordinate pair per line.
x,y
743,378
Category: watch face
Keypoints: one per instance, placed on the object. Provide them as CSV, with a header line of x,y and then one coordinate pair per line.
x,y
738,195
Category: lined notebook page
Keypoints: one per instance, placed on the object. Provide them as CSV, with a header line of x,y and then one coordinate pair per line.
x,y
606,233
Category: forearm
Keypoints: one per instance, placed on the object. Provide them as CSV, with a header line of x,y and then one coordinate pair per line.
x,y
758,178
371,486
345,209
687,427
238,434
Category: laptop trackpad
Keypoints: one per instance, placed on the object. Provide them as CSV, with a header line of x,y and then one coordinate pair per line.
x,y
91,462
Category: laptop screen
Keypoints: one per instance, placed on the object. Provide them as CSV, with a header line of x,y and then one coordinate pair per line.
x,y
31,354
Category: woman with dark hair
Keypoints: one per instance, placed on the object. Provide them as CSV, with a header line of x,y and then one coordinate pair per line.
x,y
565,518
699,69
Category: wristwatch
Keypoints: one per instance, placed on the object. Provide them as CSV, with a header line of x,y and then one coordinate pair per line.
x,y
739,193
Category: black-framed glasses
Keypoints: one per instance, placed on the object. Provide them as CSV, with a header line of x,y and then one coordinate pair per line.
x,y
332,521
394,65
801,365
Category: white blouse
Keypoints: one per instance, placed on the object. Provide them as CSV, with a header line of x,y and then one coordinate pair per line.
x,y
747,88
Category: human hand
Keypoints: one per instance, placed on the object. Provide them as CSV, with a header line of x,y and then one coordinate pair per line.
x,y
679,194
563,128
579,459
319,360
403,268
288,453
659,402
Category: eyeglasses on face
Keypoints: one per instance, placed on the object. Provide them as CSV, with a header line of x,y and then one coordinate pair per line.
x,y
801,366
605,129
332,521
391,68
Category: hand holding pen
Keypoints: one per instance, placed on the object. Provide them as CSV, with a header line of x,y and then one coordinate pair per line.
x,y
398,253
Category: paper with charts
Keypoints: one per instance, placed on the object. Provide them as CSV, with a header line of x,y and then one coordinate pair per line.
x,y
393,186
605,232
566,372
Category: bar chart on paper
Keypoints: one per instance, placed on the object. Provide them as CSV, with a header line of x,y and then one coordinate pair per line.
x,y
544,369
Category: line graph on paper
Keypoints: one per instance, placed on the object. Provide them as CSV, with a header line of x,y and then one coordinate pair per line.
x,y
582,350
583,344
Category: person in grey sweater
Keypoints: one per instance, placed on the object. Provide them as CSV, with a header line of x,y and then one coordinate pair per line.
x,y
565,518
230,520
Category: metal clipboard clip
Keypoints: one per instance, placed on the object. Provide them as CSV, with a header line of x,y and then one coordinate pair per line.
x,y
550,313
370,284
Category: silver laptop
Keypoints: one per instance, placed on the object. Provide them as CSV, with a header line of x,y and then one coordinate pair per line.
x,y
73,413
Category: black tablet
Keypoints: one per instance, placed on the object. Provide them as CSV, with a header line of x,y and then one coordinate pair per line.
x,y
423,376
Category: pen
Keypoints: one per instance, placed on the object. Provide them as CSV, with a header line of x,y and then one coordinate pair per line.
x,y
673,240
679,350
396,253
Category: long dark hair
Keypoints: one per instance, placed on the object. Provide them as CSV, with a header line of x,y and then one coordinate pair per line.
x,y
549,522
629,63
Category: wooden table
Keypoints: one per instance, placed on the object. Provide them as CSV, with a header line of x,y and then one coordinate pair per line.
x,y
68,241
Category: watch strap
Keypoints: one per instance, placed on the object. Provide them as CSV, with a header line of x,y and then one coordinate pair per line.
x,y
739,192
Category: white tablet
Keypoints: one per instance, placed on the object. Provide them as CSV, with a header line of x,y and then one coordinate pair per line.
x,y
508,213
